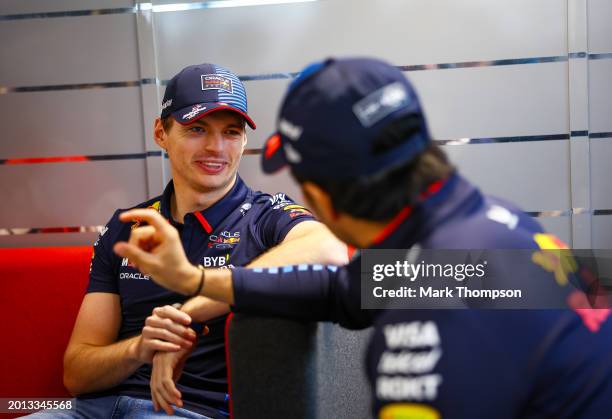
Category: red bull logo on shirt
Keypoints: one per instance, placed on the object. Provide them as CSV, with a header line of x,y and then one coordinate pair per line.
x,y
225,240
155,205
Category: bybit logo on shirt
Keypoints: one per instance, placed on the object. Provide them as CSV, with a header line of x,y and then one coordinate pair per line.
x,y
217,262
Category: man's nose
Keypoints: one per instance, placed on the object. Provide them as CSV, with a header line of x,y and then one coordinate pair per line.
x,y
214,142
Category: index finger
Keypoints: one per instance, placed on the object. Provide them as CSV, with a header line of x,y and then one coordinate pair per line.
x,y
149,215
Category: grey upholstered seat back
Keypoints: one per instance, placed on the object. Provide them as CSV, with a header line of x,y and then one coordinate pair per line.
x,y
286,369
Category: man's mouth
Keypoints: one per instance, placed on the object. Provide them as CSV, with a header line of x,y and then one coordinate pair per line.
x,y
211,167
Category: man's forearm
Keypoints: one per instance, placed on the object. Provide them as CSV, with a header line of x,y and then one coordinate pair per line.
x,y
309,242
315,246
312,293
202,309
89,368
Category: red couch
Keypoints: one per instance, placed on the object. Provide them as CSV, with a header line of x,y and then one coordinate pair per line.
x,y
41,292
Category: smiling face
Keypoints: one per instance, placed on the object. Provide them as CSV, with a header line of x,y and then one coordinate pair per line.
x,y
205,154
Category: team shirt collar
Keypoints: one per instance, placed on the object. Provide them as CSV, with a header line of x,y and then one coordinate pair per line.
x,y
213,215
442,201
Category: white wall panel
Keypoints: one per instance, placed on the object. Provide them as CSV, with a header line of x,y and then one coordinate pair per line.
x,y
280,38
495,101
151,109
535,176
602,232
264,102
475,102
155,177
69,194
68,50
71,122
559,226
600,31
250,171
600,95
601,173
489,101
10,7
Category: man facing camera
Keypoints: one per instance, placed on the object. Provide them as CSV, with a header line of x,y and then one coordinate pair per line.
x,y
127,322
353,133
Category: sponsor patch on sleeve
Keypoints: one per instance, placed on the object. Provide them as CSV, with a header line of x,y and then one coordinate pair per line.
x,y
295,210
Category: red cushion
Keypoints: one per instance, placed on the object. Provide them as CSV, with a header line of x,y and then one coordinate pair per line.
x,y
42,289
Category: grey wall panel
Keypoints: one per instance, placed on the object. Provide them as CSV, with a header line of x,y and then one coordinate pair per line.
x,y
166,171
601,173
600,95
602,232
559,226
534,176
10,7
89,49
69,194
474,102
264,102
285,37
495,101
151,109
251,173
600,31
155,177
51,239
71,122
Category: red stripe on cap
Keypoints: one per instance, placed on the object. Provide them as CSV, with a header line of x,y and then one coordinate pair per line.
x,y
350,251
203,222
228,322
273,144
433,188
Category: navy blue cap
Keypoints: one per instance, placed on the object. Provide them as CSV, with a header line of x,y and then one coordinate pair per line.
x,y
201,89
333,113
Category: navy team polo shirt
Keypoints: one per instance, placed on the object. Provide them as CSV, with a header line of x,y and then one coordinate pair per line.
x,y
232,232
459,364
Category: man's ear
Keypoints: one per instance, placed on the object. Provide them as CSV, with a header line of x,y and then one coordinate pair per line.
x,y
159,134
319,201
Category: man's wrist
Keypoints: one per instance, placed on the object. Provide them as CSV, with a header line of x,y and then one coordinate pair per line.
x,y
193,276
200,283
133,352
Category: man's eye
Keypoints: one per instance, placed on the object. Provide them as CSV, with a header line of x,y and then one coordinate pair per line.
x,y
196,129
234,133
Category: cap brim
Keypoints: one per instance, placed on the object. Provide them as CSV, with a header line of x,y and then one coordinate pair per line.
x,y
273,156
189,114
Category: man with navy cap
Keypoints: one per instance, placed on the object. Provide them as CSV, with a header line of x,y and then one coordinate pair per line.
x,y
128,325
354,136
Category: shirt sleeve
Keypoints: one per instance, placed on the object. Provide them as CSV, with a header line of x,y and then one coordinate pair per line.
x,y
279,216
303,292
102,272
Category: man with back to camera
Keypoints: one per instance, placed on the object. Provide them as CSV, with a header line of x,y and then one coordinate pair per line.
x,y
354,136
222,223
